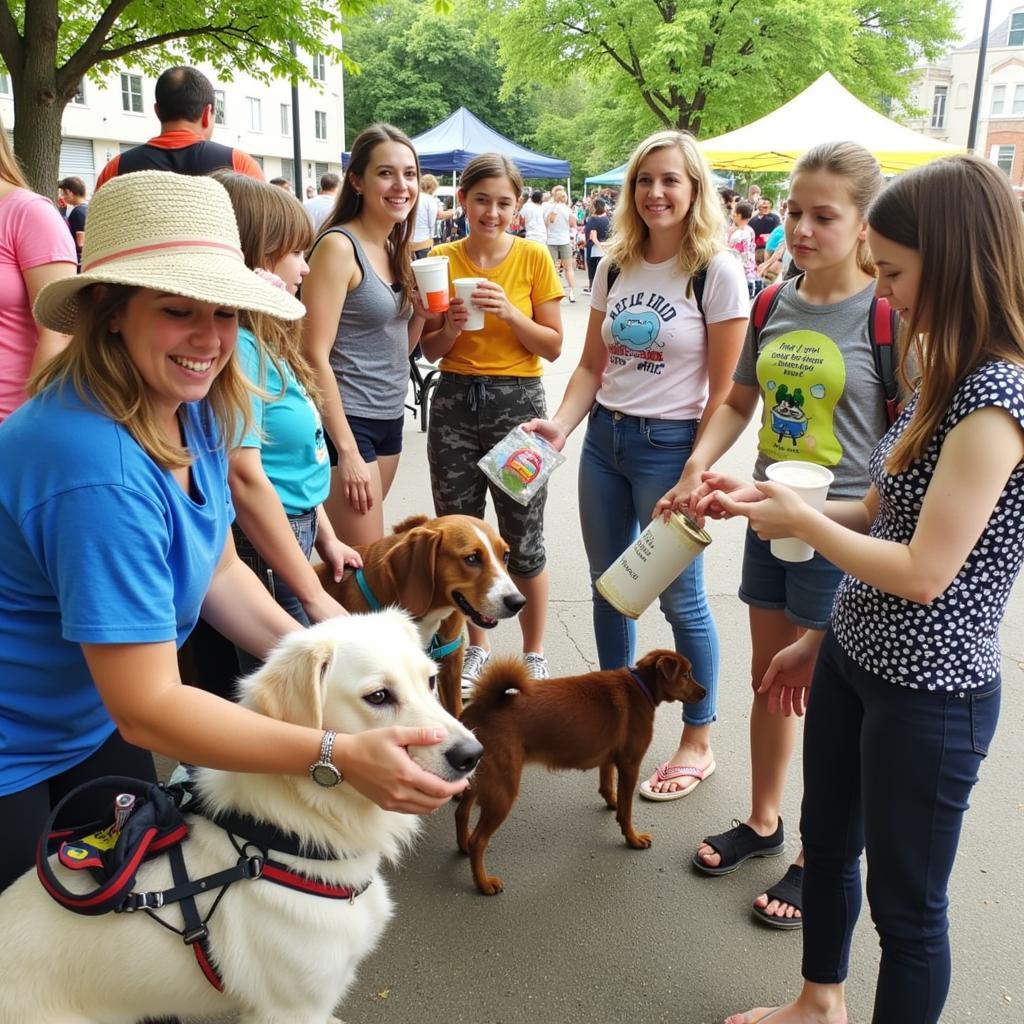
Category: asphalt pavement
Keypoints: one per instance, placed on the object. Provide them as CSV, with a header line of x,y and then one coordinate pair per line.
x,y
591,932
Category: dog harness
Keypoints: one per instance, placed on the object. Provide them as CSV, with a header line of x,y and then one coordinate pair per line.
x,y
148,820
436,649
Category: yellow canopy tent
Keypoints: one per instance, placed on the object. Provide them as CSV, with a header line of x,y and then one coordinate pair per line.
x,y
823,112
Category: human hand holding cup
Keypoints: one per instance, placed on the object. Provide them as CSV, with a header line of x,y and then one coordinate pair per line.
x,y
464,288
431,275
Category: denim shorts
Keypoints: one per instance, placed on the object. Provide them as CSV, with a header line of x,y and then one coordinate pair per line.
x,y
803,590
376,437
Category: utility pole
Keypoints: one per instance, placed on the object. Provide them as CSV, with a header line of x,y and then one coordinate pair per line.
x,y
296,138
979,80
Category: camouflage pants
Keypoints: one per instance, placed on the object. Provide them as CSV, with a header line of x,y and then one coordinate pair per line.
x,y
469,415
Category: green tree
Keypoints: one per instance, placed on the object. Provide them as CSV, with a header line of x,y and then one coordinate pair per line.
x,y
49,46
415,68
710,65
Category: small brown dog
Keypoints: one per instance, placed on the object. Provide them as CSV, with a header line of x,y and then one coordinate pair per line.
x,y
597,720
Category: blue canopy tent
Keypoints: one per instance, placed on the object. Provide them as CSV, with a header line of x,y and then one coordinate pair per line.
x,y
449,146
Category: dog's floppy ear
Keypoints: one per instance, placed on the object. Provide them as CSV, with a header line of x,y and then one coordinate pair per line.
x,y
410,566
678,682
290,686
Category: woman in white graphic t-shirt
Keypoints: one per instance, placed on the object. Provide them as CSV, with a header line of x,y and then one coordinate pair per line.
x,y
665,331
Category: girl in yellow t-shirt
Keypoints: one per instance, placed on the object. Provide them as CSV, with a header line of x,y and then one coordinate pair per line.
x,y
490,383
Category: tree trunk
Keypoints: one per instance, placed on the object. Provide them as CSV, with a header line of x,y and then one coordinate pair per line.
x,y
38,107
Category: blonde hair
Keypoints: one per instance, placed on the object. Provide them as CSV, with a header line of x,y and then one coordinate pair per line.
x,y
271,224
558,194
860,170
428,184
97,364
703,236
961,215
10,169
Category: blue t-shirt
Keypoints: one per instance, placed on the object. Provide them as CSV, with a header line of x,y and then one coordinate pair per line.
x,y
772,242
292,446
99,545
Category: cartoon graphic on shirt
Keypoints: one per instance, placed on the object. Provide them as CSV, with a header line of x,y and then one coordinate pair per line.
x,y
636,322
802,376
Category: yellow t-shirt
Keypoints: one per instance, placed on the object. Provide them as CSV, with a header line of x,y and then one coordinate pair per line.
x,y
527,274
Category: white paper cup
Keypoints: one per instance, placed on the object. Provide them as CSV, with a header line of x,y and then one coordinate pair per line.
x,y
661,552
464,288
431,275
811,482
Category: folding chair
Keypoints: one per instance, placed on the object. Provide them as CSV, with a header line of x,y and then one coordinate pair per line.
x,y
424,379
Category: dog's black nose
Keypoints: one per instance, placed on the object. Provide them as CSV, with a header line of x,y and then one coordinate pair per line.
x,y
514,602
463,756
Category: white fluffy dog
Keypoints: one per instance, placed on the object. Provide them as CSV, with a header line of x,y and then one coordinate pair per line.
x,y
285,957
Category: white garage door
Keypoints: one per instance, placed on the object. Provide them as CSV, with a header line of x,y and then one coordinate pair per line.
x,y
76,158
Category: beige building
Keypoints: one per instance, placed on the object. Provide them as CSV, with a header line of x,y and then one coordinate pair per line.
x,y
945,91
106,118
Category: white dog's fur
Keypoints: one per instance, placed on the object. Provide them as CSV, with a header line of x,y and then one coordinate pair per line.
x,y
285,957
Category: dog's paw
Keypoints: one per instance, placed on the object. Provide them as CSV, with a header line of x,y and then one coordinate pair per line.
x,y
639,840
491,885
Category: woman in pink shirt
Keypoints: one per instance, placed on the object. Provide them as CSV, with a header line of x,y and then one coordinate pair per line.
x,y
35,249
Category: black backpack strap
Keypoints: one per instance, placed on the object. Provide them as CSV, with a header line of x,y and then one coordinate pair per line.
x,y
883,325
764,305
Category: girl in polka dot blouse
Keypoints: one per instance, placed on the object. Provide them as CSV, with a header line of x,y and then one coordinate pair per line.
x,y
905,690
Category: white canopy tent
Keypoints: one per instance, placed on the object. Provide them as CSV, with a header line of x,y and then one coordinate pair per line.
x,y
823,112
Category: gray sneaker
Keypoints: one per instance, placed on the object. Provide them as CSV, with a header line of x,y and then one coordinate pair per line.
x,y
473,662
536,666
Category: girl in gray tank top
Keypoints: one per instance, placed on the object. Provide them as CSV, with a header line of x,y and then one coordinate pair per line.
x,y
362,323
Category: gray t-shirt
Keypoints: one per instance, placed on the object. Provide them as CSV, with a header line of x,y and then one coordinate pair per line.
x,y
823,399
370,357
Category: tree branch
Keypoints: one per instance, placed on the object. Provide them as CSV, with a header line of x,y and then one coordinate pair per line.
x,y
12,46
85,56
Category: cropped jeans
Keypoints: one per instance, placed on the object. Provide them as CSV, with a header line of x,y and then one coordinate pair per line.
x,y
628,463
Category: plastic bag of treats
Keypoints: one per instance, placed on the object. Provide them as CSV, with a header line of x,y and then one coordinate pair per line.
x,y
520,464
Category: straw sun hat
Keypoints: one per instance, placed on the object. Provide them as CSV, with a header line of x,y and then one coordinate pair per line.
x,y
169,232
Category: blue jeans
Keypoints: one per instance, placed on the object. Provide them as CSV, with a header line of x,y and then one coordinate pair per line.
x,y
304,527
888,770
628,463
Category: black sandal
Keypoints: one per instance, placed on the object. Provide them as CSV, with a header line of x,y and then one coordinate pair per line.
x,y
789,889
739,844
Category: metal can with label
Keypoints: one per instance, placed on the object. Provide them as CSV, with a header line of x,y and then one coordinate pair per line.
x,y
657,557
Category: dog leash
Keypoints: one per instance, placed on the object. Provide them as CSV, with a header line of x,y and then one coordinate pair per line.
x,y
435,649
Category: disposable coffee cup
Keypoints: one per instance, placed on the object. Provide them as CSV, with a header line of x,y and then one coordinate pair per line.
x,y
464,288
647,567
431,275
811,482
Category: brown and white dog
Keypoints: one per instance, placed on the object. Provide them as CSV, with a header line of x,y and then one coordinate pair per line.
x,y
597,720
282,955
441,571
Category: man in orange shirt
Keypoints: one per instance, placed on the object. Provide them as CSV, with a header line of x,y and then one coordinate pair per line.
x,y
184,105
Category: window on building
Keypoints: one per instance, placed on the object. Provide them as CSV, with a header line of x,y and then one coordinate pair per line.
x,y
288,168
998,99
255,114
5,84
258,160
961,94
79,97
219,107
319,67
321,170
286,119
1002,157
1016,36
131,93
1018,101
939,107
321,124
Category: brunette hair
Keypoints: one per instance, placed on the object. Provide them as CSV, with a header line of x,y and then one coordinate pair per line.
x,y
744,209
704,225
961,215
97,365
271,224
349,201
490,165
862,174
10,169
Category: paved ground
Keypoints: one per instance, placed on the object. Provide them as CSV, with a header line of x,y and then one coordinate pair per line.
x,y
590,932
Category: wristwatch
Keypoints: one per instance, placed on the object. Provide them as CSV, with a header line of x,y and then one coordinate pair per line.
x,y
322,771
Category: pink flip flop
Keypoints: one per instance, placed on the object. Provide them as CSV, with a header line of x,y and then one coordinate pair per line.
x,y
667,772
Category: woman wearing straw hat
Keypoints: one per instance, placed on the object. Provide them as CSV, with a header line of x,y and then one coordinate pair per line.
x,y
114,524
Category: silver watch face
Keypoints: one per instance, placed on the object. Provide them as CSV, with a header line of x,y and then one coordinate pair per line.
x,y
324,774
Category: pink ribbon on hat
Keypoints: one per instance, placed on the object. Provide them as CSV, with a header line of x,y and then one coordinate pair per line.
x,y
194,243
